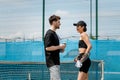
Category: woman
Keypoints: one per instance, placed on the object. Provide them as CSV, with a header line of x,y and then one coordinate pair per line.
x,y
84,49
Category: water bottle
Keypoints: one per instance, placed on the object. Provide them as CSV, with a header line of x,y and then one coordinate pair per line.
x,y
78,64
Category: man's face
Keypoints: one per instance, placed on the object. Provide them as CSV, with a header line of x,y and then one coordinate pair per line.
x,y
57,24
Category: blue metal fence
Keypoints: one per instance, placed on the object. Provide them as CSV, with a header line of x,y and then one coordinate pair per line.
x,y
33,51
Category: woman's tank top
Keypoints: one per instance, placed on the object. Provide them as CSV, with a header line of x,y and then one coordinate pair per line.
x,y
82,44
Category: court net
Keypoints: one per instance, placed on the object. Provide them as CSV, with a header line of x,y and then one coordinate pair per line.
x,y
39,71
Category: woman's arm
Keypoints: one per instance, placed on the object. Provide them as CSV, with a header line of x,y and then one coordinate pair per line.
x,y
85,38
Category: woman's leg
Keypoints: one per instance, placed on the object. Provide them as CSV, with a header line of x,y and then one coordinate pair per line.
x,y
82,76
86,77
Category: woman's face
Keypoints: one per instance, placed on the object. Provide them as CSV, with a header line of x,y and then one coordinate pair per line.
x,y
79,29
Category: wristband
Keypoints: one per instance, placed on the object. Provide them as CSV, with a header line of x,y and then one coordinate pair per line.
x,y
80,56
86,56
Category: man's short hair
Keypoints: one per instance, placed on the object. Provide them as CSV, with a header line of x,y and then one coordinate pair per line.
x,y
53,18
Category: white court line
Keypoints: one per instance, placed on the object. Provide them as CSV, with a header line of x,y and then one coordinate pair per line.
x,y
111,72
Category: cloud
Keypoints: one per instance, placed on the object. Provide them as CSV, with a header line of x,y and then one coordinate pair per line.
x,y
15,4
35,35
21,35
109,14
13,1
83,14
62,13
70,14
18,35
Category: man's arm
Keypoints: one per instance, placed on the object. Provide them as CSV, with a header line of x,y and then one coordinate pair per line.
x,y
53,48
49,46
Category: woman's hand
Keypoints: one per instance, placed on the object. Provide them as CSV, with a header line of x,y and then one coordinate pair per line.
x,y
75,59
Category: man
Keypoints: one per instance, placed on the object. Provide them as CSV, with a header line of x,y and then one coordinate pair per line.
x,y
52,48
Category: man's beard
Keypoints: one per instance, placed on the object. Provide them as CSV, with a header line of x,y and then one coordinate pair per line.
x,y
58,27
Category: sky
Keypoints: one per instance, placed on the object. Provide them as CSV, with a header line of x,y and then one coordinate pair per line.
x,y
23,18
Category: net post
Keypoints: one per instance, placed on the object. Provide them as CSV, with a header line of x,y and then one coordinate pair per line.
x,y
29,76
102,73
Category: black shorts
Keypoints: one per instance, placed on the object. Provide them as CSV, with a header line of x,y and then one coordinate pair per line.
x,y
85,66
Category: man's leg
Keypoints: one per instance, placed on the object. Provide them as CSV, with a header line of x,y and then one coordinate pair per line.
x,y
55,72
